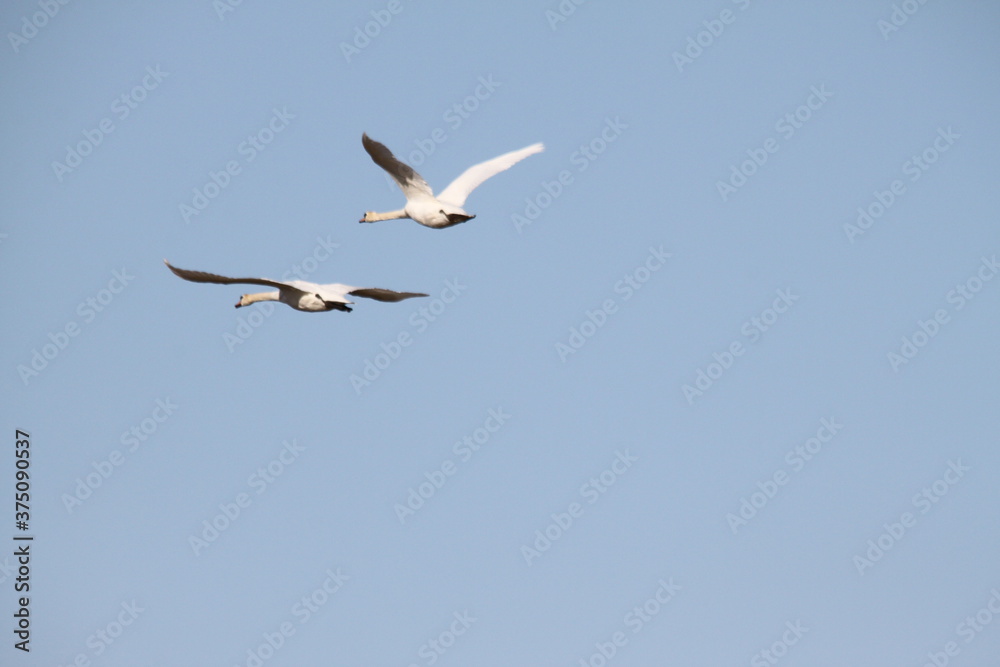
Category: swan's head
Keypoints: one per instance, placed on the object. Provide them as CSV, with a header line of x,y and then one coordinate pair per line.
x,y
368,217
244,301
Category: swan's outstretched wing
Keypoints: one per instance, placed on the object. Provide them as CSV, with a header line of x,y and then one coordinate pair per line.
x,y
458,191
409,181
378,293
202,277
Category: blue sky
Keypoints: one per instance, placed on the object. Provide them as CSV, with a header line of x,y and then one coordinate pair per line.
x,y
710,381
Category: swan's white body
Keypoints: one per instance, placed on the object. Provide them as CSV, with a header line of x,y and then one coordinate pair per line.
x,y
445,209
298,294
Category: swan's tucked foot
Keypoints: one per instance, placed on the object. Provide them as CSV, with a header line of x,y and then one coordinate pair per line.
x,y
336,305
456,218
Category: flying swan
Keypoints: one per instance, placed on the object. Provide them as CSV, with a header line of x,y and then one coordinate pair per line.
x,y
298,294
444,210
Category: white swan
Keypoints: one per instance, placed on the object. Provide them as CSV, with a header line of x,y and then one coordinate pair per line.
x,y
444,210
298,294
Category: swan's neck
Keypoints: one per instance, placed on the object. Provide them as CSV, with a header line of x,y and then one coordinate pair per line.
x,y
372,216
260,296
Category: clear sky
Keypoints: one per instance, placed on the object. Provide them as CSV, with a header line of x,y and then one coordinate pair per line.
x,y
710,381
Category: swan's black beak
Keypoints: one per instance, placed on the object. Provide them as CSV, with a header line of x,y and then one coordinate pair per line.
x,y
238,303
